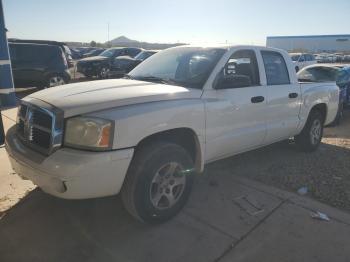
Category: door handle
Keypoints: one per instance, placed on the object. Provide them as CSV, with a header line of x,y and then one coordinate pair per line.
x,y
257,99
293,95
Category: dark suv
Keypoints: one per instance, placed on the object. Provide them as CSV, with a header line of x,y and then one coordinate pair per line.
x,y
100,65
67,52
37,65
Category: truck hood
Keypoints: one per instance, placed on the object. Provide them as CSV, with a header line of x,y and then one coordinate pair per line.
x,y
86,97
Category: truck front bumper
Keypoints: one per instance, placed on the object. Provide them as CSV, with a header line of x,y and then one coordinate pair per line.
x,y
70,173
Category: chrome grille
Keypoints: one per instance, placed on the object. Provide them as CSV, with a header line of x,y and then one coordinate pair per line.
x,y
39,127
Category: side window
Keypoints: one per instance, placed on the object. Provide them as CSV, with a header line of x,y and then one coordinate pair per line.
x,y
275,68
119,52
26,53
302,58
243,63
133,52
13,53
310,58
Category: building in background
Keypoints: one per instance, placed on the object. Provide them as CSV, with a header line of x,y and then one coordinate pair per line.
x,y
311,43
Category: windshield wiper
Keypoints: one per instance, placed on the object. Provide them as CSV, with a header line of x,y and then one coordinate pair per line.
x,y
152,79
128,77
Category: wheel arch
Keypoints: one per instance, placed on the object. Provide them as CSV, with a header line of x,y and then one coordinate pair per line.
x,y
185,137
322,108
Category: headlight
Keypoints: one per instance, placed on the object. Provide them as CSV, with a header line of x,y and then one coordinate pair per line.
x,y
89,133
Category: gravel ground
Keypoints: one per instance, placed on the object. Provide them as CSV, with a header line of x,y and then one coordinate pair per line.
x,y
326,172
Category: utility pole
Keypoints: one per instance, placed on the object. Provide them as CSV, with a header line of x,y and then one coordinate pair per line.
x,y
108,44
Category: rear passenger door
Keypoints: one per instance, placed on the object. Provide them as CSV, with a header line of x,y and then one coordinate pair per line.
x,y
283,98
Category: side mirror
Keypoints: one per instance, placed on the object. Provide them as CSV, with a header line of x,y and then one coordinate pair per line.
x,y
233,81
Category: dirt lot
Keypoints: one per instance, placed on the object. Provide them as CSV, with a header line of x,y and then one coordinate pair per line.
x,y
326,172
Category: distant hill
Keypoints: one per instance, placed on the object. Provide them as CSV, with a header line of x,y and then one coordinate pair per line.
x,y
121,39
124,41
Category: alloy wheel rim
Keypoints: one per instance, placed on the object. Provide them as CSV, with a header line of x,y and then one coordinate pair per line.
x,y
167,186
104,72
56,81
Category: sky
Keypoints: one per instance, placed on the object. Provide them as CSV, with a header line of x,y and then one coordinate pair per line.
x,y
166,21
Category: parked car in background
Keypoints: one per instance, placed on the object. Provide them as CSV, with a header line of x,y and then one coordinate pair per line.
x,y
346,58
124,64
148,135
76,54
301,60
94,52
38,65
100,65
338,73
65,48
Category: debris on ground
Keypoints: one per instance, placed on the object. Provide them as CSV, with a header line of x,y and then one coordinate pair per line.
x,y
320,216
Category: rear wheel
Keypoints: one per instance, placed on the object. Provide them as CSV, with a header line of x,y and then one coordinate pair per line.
x,y
310,137
158,183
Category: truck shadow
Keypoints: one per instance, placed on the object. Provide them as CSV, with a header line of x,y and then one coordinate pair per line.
x,y
45,228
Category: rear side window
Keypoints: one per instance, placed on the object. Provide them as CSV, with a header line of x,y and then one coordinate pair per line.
x,y
33,53
275,68
13,53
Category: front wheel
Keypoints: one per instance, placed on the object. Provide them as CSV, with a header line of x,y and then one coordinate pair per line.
x,y
55,80
158,183
104,72
310,137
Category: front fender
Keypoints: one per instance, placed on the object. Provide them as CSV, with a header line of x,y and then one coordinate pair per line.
x,y
133,123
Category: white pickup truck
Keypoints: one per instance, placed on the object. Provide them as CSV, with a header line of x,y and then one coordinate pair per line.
x,y
146,136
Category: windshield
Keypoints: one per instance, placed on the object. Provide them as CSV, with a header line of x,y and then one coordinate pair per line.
x,y
188,67
295,58
108,53
143,55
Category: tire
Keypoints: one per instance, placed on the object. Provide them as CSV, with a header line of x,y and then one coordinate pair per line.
x,y
146,192
310,137
104,72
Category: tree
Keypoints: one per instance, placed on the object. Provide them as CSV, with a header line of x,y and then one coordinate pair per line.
x,y
93,44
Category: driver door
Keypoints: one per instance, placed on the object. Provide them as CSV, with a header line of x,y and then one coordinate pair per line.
x,y
236,114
